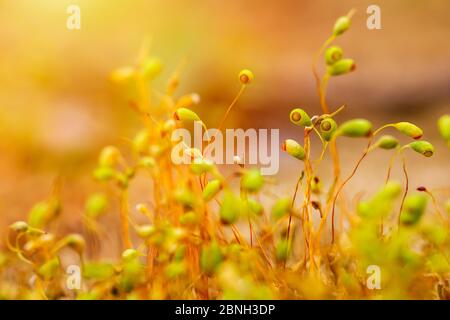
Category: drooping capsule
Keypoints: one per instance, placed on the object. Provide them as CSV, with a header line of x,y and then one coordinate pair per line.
x,y
355,128
413,209
444,126
327,128
342,66
333,54
387,142
211,189
409,129
423,147
300,117
230,209
252,180
185,114
341,25
293,148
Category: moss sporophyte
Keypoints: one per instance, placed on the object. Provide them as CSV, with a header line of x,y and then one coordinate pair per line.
x,y
202,232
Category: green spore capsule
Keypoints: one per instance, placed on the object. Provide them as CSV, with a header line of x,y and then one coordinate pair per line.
x,y
300,118
333,54
95,205
109,157
413,209
211,189
145,231
200,166
327,128
210,258
341,67
254,207
129,255
185,114
231,208
423,147
190,218
49,269
341,25
282,250
281,208
252,180
355,128
409,129
151,67
184,196
387,142
444,126
293,148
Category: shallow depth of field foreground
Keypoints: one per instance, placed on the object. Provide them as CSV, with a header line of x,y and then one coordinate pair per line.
x,y
92,205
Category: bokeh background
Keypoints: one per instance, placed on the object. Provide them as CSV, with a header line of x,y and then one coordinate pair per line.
x,y
58,107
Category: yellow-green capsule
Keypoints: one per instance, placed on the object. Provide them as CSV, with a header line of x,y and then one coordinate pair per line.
x,y
281,250
184,196
327,128
444,126
387,142
413,209
423,147
175,269
49,269
340,67
141,141
211,189
341,25
129,255
98,270
19,226
104,173
230,209
95,205
75,241
190,218
200,166
409,129
293,148
252,180
185,114
145,231
447,206
151,67
246,76
300,117
281,207
255,207
333,54
210,258
355,128
109,156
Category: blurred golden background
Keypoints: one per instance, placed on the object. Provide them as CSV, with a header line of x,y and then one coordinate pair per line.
x,y
58,107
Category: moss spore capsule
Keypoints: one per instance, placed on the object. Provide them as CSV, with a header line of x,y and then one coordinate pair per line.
x,y
327,128
423,147
333,54
293,148
409,129
387,142
355,128
246,76
341,25
300,117
341,67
